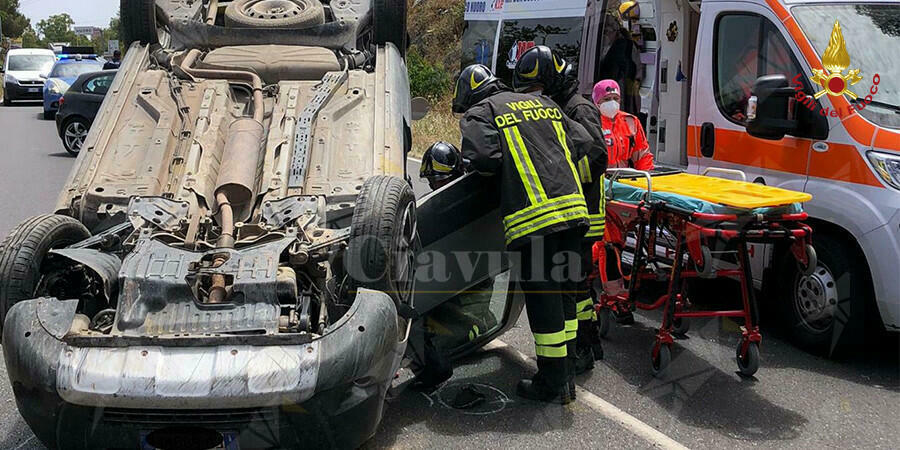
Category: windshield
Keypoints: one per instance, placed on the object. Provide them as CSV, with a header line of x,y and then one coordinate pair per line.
x,y
32,63
72,70
872,36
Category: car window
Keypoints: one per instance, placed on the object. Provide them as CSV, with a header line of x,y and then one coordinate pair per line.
x,y
74,69
747,46
98,85
33,63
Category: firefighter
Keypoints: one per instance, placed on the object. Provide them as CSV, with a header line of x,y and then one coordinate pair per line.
x,y
530,144
561,83
441,164
625,139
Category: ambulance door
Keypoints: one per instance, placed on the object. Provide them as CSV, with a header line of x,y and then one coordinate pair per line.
x,y
676,22
738,43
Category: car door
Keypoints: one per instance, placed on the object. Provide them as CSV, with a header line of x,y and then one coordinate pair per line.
x,y
739,43
464,290
93,92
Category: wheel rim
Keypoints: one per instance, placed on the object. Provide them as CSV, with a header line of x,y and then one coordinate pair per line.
x,y
75,133
272,9
815,299
404,254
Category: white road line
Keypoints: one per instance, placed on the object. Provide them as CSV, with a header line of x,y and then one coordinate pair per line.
x,y
22,445
608,410
415,160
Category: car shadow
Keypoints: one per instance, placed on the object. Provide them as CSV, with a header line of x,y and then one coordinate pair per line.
x,y
62,154
493,373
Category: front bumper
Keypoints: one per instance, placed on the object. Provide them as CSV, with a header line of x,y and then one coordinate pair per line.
x,y
77,392
15,91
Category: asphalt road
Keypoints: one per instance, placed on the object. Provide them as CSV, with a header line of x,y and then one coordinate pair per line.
x,y
795,399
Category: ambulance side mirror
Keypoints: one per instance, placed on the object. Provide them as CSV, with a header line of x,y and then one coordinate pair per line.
x,y
771,109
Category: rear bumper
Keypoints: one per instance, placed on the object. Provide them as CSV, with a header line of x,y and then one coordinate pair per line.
x,y
105,392
14,91
51,102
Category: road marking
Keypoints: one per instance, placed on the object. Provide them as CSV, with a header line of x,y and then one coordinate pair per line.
x,y
22,445
608,410
415,160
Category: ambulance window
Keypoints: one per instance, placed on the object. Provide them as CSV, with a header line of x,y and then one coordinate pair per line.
x,y
478,42
747,46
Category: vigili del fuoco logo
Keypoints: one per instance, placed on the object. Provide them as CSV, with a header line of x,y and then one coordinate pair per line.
x,y
833,81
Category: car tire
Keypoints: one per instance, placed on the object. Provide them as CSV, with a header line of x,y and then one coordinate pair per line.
x,y
23,252
6,100
138,21
383,238
49,115
389,23
825,312
75,131
291,14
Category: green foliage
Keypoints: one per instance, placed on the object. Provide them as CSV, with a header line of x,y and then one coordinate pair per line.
x,y
426,79
13,22
30,39
57,28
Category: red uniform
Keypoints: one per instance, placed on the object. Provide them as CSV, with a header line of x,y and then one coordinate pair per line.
x,y
626,142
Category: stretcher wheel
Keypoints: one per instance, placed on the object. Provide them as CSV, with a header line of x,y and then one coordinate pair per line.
x,y
604,320
661,361
681,325
706,269
748,364
812,261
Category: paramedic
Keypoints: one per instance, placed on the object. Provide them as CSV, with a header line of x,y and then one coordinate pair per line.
x,y
625,139
529,143
543,68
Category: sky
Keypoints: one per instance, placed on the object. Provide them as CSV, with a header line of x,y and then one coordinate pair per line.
x,y
84,12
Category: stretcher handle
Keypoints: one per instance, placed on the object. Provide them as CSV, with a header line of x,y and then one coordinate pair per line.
x,y
630,173
720,170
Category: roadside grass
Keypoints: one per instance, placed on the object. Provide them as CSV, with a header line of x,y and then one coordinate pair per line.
x,y
439,125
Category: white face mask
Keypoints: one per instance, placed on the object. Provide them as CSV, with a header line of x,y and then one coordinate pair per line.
x,y
609,109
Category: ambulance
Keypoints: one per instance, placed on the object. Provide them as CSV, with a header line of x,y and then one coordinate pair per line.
x,y
798,94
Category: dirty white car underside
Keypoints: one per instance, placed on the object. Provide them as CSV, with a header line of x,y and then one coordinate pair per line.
x,y
237,233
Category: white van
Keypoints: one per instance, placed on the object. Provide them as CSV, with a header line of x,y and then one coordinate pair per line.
x,y
694,69
24,73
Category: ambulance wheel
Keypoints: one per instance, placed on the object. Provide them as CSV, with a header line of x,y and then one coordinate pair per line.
x,y
605,318
748,363
660,361
681,325
826,310
389,23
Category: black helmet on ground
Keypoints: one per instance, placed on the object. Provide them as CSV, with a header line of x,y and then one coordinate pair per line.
x,y
441,164
475,83
539,66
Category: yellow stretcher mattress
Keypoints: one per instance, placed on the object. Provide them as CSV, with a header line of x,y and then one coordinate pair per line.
x,y
737,194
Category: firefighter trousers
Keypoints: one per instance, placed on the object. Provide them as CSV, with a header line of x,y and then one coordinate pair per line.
x,y
548,278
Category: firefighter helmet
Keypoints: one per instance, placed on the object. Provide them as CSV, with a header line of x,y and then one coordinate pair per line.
x,y
475,83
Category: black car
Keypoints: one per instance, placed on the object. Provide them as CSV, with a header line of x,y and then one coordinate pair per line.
x,y
79,106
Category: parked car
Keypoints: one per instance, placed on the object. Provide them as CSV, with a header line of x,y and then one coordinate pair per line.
x,y
79,106
233,256
24,73
64,73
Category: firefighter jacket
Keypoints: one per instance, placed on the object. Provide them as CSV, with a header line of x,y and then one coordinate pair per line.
x,y
592,166
531,145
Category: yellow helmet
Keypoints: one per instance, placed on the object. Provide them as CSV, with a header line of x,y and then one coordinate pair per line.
x,y
629,10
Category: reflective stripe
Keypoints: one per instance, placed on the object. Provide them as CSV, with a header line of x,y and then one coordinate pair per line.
x,y
550,338
541,195
530,180
574,213
584,170
584,305
550,352
561,135
586,315
541,208
571,329
598,225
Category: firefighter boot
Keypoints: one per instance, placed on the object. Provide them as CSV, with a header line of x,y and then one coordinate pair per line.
x,y
551,384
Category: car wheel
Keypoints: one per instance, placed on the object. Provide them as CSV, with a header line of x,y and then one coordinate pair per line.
x,y
49,115
274,13
6,100
23,252
74,133
389,23
138,21
383,238
824,311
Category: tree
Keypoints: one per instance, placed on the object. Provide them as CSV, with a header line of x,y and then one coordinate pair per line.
x,y
14,22
30,39
57,28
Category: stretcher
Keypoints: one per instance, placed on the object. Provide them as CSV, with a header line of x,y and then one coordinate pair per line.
x,y
689,215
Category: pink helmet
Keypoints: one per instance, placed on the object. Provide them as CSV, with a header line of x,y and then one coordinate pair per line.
x,y
604,87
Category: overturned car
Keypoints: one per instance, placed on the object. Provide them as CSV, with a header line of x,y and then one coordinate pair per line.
x,y
232,257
